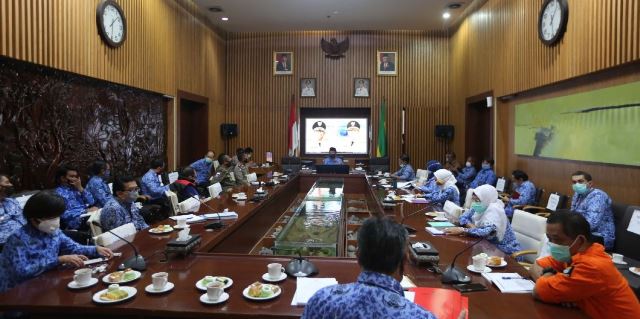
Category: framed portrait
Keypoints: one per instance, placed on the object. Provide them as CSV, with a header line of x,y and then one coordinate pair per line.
x,y
282,63
387,63
361,87
308,87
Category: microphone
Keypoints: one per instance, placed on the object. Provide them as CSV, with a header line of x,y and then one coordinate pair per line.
x,y
213,225
410,229
136,262
453,274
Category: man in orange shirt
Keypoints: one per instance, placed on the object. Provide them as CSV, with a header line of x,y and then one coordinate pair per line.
x,y
580,273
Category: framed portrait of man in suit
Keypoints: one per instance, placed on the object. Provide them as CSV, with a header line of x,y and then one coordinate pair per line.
x,y
282,63
387,63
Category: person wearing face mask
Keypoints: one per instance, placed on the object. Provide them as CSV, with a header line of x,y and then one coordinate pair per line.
x,y
451,164
203,169
595,206
11,218
121,209
185,186
486,175
332,159
580,273
78,200
151,185
430,186
99,173
224,172
248,154
406,172
39,245
240,171
524,192
467,173
446,189
486,218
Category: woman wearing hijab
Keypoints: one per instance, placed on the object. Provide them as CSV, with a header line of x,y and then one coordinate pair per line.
x,y
486,218
446,188
430,186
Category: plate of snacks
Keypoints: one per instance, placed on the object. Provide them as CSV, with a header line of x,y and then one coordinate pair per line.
x,y
161,229
202,284
260,291
496,262
635,270
121,277
114,294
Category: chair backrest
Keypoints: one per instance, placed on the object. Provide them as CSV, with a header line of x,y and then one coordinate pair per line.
x,y
173,176
173,200
290,160
556,201
253,177
539,192
215,165
111,188
106,239
95,217
452,211
467,199
378,164
502,185
421,173
189,205
530,231
215,190
627,242
23,198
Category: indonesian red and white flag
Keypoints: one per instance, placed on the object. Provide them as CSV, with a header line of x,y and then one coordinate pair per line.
x,y
294,140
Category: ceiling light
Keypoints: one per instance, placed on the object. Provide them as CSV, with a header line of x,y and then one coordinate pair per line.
x,y
454,5
224,19
446,15
215,9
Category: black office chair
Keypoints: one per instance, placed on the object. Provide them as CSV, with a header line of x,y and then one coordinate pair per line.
x,y
291,164
377,164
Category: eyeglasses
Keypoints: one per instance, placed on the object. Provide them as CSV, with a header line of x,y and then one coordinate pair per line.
x,y
137,189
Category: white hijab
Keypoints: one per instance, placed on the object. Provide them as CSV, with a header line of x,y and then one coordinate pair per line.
x,y
494,215
448,178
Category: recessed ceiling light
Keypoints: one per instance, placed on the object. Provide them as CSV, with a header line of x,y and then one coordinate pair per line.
x,y
454,5
446,15
224,19
215,9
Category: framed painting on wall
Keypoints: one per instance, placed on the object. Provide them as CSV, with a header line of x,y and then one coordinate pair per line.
x,y
361,87
308,87
387,63
282,63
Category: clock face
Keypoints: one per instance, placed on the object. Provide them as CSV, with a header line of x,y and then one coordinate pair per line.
x,y
553,20
113,24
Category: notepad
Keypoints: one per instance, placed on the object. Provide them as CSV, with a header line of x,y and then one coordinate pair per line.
x,y
307,287
510,282
441,224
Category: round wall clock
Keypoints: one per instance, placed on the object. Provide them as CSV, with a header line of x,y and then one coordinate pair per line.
x,y
552,22
112,25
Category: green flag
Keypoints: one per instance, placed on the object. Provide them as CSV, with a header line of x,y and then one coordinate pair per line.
x,y
381,149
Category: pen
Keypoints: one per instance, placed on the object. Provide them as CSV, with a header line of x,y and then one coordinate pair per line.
x,y
513,278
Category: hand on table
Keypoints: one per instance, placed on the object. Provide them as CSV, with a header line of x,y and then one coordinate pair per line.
x,y
454,230
104,251
75,260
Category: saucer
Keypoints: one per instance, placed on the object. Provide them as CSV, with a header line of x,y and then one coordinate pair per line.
x,y
75,285
180,228
635,270
166,288
619,262
441,219
131,292
473,269
502,264
205,299
266,277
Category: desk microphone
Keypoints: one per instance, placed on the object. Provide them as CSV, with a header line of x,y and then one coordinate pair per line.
x,y
410,229
136,262
453,274
213,225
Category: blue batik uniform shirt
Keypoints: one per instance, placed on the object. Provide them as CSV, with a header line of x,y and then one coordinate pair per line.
x,y
203,170
115,214
508,245
99,190
429,186
466,175
11,218
485,176
77,204
440,196
527,196
151,185
595,206
332,161
30,252
373,296
406,173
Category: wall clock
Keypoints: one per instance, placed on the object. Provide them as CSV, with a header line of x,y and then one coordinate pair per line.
x,y
112,25
552,22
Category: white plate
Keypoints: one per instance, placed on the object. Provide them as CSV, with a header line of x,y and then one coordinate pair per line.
x,y
176,227
166,288
137,275
200,286
236,195
637,270
432,214
473,269
130,290
152,231
205,299
620,262
440,219
504,263
245,293
266,277
74,284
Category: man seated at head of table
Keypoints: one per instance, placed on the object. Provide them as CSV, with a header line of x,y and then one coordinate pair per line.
x,y
185,186
580,273
77,199
446,191
121,208
377,292
406,172
39,245
97,185
332,159
224,172
595,206
11,218
486,218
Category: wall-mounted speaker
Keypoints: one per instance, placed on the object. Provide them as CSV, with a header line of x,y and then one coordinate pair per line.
x,y
444,131
228,130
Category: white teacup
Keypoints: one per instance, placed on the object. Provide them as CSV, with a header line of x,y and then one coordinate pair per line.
x,y
379,172
391,193
275,270
618,258
82,276
184,234
479,261
182,222
159,280
214,291
387,174
441,215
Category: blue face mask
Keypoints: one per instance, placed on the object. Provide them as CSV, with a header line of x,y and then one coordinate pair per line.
x,y
486,166
107,174
478,207
208,160
560,253
580,188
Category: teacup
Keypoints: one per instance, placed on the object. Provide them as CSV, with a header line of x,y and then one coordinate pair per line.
x,y
618,258
379,172
82,276
387,174
184,234
214,291
441,215
159,280
479,261
275,270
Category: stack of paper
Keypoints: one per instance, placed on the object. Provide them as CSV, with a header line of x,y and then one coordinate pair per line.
x,y
407,283
510,282
187,216
223,215
307,287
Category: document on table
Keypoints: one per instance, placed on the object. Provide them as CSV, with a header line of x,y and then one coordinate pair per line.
x,y
403,184
434,231
407,283
510,282
223,215
307,287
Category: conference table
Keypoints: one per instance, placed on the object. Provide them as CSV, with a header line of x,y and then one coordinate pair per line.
x,y
225,252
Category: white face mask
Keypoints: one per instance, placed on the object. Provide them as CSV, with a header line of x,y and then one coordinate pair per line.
x,y
49,226
468,164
